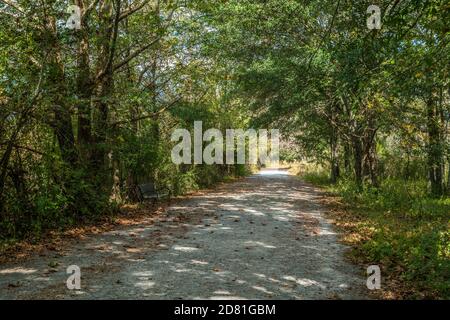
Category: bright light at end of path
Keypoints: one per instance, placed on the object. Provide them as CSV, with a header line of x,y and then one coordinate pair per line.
x,y
271,172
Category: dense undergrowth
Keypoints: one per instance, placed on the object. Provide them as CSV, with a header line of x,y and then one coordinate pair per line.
x,y
49,214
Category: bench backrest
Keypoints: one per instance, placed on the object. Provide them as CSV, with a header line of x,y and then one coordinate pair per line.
x,y
147,188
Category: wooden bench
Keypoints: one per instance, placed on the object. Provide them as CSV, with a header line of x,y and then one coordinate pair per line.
x,y
148,191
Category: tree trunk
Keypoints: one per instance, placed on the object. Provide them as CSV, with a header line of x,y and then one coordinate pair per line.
x,y
434,149
104,89
62,121
358,159
347,156
4,161
84,94
370,151
334,160
448,175
373,164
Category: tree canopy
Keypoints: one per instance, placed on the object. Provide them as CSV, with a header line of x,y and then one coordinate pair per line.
x,y
87,113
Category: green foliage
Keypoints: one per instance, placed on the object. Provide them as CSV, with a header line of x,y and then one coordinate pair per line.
x,y
87,115
319,178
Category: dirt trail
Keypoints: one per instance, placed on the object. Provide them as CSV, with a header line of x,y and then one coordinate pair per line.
x,y
264,237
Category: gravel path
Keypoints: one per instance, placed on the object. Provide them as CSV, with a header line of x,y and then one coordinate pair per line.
x,y
264,237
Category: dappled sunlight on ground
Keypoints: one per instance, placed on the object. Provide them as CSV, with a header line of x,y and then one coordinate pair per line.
x,y
260,238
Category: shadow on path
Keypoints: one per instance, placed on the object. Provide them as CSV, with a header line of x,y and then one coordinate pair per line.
x,y
261,238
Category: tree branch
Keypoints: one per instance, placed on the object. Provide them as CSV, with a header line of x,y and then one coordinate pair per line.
x,y
130,11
